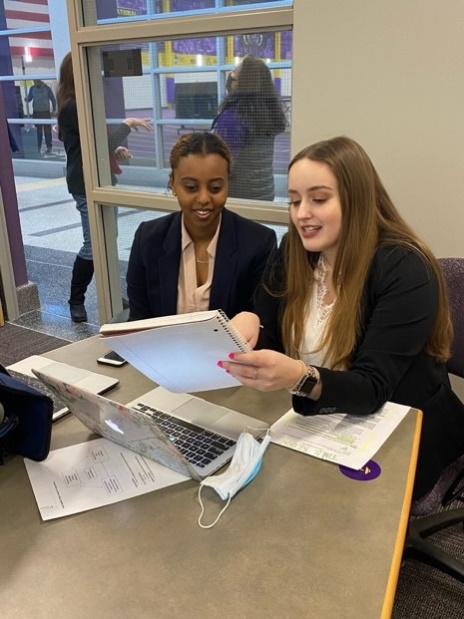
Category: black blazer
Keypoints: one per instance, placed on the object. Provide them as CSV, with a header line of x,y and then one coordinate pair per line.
x,y
152,275
69,131
389,363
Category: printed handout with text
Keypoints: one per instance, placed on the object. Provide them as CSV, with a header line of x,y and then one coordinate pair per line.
x,y
348,440
92,474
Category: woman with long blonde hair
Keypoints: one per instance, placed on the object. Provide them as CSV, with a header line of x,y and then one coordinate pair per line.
x,y
353,307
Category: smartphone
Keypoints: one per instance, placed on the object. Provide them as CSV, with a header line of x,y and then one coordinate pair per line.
x,y
112,358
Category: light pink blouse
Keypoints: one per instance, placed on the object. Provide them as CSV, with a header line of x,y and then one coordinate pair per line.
x,y
190,297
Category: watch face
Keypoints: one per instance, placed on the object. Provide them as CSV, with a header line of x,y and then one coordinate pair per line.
x,y
308,385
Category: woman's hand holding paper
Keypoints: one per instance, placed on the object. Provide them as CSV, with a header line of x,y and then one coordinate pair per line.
x,y
265,370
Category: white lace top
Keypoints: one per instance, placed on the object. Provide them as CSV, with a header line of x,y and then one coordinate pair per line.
x,y
316,317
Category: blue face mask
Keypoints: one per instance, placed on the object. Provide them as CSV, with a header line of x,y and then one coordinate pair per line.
x,y
243,468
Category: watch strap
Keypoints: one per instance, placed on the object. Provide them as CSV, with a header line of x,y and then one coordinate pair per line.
x,y
306,383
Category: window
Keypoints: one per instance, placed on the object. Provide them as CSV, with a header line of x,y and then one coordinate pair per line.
x,y
176,63
27,55
103,12
180,86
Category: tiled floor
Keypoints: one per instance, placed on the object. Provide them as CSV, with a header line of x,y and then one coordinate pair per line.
x,y
52,236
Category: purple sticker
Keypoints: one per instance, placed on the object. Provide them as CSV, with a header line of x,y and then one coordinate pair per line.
x,y
369,471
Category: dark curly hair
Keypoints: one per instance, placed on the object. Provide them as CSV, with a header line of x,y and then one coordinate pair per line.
x,y
199,143
255,99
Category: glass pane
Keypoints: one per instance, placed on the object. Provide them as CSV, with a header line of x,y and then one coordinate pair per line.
x,y
237,86
24,15
32,125
29,89
26,58
28,54
117,11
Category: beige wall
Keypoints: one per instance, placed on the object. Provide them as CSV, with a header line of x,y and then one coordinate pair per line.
x,y
390,74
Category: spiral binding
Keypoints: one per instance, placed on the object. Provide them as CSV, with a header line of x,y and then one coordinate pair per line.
x,y
236,337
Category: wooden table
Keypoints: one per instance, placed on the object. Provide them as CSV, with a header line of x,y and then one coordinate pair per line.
x,y
302,540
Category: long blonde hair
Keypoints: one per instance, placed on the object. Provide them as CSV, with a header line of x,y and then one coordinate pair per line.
x,y
369,219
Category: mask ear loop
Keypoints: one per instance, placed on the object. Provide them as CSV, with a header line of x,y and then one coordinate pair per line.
x,y
209,526
251,429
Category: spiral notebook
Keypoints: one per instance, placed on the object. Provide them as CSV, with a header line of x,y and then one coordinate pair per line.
x,y
179,352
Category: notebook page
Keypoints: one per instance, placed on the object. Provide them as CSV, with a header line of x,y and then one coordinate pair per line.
x,y
183,358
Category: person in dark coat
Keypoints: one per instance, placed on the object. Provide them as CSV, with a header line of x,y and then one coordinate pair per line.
x,y
354,308
249,118
42,97
68,132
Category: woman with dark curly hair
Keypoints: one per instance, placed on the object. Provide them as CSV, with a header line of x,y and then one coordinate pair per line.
x,y
249,118
202,256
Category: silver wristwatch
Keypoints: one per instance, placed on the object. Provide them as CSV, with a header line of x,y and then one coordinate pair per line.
x,y
306,384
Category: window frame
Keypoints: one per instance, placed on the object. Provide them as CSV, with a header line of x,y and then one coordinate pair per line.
x,y
85,44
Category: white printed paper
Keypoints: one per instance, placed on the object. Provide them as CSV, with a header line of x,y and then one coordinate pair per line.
x,y
348,440
89,475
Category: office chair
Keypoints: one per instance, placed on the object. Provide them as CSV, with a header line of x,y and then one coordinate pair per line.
x,y
417,544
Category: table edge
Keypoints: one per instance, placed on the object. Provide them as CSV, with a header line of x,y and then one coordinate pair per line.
x,y
392,582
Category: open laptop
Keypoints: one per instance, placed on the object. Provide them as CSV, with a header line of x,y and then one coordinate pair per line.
x,y
91,381
180,431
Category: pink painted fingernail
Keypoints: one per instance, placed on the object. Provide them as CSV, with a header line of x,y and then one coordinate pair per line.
x,y
232,355
220,364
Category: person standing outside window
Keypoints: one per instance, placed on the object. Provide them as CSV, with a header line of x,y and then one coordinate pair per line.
x,y
68,133
42,96
250,117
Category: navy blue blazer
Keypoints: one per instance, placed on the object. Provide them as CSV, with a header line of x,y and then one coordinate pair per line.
x,y
242,252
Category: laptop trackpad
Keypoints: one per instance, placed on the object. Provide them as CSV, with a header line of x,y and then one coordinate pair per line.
x,y
218,419
205,414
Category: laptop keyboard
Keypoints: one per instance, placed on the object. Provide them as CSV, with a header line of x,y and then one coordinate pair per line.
x,y
197,445
33,381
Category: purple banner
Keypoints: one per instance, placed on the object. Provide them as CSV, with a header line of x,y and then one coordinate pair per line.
x,y
205,46
195,5
133,7
286,46
139,7
260,45
191,5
